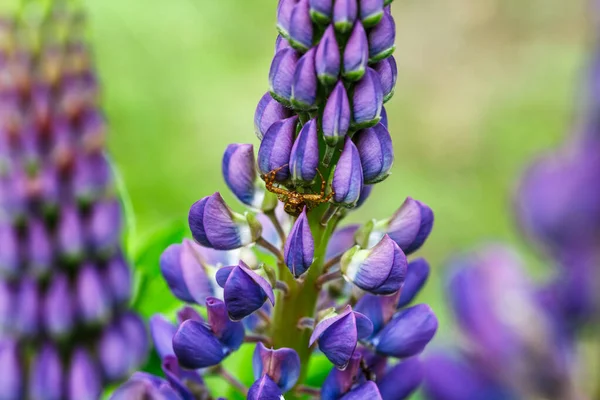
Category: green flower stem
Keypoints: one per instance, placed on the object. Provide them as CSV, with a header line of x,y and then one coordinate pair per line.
x,y
268,246
301,299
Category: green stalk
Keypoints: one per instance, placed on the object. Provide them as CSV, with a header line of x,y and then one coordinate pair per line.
x,y
301,300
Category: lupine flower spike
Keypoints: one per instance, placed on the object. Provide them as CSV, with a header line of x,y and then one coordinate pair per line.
x,y
282,274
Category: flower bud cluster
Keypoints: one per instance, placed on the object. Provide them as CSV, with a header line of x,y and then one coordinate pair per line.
x,y
283,275
65,284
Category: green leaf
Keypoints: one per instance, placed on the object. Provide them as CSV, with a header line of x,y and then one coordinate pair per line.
x,y
152,295
318,369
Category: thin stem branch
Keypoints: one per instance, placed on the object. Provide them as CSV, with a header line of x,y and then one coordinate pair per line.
x,y
331,211
264,316
233,381
281,285
335,260
328,277
275,221
258,339
311,391
262,242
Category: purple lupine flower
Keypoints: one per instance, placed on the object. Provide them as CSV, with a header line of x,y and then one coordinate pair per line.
x,y
300,34
344,14
371,12
356,54
47,375
347,180
379,309
83,378
92,296
299,247
70,234
268,112
112,347
416,276
239,171
364,195
9,256
409,227
215,225
244,290
336,116
367,390
162,332
58,312
276,147
264,389
379,270
338,334
327,58
39,249
28,308
118,276
281,75
184,272
282,366
321,11
304,157
200,345
340,382
407,333
11,380
376,153
104,226
401,380
381,38
388,74
285,9
367,100
305,82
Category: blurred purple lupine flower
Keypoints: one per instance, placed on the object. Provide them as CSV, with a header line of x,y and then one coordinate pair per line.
x,y
300,33
321,11
267,113
62,268
344,14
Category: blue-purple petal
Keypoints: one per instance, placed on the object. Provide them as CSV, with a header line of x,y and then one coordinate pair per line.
x,y
300,246
196,346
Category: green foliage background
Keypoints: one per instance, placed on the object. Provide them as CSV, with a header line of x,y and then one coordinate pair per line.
x,y
483,86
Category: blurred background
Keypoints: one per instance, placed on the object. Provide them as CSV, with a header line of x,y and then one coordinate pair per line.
x,y
484,85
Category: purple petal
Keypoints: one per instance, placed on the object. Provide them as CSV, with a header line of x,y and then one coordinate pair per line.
x,y
230,333
300,246
376,153
170,267
188,312
239,171
179,378
281,75
196,347
84,381
407,333
195,275
284,15
344,14
347,177
328,59
356,54
381,39
301,29
112,351
321,11
305,83
70,234
371,12
245,292
134,330
105,225
11,380
9,256
276,147
118,277
92,298
364,195
410,226
162,332
304,158
280,43
281,365
39,249
46,379
400,381
336,115
264,389
268,112
388,74
378,309
223,274
341,240
384,119
416,276
367,390
339,382
58,307
28,306
367,100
